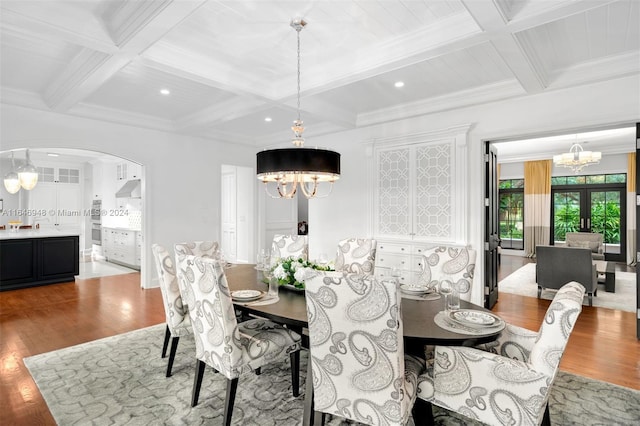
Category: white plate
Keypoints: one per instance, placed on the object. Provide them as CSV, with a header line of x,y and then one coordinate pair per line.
x,y
473,317
414,289
246,295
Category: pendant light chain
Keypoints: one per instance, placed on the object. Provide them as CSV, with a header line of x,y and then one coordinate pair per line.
x,y
298,32
298,127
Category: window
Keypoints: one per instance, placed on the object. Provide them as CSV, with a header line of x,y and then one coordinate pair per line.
x,y
593,203
511,213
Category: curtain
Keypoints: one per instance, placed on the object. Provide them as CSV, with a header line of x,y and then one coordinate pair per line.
x,y
631,208
537,205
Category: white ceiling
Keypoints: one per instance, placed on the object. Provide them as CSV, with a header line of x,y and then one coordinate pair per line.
x,y
230,64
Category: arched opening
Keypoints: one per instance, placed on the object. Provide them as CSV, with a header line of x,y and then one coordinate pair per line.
x,y
96,194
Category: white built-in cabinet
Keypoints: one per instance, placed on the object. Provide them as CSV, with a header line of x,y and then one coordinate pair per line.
x,y
128,170
419,196
122,246
57,197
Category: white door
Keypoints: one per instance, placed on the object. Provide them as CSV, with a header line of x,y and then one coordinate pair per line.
x,y
238,240
228,212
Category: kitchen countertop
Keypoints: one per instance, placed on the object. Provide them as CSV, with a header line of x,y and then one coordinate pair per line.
x,y
120,228
37,233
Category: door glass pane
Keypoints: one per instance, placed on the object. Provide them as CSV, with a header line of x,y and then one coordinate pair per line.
x,y
512,220
566,213
605,218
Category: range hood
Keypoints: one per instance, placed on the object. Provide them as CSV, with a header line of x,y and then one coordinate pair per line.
x,y
131,189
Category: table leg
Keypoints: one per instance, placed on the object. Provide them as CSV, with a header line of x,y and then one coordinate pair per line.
x,y
610,282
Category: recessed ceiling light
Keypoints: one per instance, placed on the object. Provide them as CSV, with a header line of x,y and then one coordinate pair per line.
x,y
165,92
267,119
399,83
52,154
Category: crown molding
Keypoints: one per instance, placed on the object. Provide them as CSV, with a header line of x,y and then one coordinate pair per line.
x,y
434,135
487,93
61,23
602,69
22,98
119,117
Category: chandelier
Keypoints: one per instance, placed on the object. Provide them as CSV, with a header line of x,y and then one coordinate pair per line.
x,y
290,168
577,158
25,176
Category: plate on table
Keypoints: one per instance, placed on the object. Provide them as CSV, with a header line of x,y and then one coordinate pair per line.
x,y
414,289
246,295
473,317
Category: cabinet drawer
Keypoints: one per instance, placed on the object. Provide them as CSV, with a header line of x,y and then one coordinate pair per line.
x,y
397,248
393,260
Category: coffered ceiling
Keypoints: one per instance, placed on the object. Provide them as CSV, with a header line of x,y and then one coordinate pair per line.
x,y
230,64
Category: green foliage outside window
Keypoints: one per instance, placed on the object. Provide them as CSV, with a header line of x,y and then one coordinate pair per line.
x,y
605,219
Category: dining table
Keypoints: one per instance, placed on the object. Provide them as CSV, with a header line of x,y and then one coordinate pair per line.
x,y
418,315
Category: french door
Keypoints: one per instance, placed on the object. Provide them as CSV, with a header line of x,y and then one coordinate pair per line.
x,y
598,209
492,226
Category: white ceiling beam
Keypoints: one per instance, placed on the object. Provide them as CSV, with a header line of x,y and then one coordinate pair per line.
x,y
181,69
148,21
492,21
561,11
61,22
329,112
221,112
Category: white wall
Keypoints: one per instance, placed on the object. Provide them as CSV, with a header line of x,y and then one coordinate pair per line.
x,y
345,212
182,174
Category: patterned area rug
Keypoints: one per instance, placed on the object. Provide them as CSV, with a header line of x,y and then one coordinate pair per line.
x,y
523,282
120,381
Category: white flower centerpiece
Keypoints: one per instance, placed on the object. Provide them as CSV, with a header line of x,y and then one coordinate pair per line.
x,y
293,271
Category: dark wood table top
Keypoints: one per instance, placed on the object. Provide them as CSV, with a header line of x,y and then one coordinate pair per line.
x,y
291,309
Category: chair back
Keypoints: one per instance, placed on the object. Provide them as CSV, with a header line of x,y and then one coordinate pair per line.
x,y
212,315
556,266
556,328
175,311
209,249
356,348
289,246
455,264
356,255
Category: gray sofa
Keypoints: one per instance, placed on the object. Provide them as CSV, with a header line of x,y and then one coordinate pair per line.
x,y
590,240
556,266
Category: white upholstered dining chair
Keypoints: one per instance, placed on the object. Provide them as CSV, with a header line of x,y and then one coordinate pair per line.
x,y
506,382
231,348
176,314
356,255
284,246
456,264
208,249
360,371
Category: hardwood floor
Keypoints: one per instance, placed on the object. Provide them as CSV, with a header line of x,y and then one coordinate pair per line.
x,y
41,319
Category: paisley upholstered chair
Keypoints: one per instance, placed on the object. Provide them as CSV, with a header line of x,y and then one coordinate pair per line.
x,y
449,263
360,371
356,255
177,317
289,246
508,381
209,249
230,348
